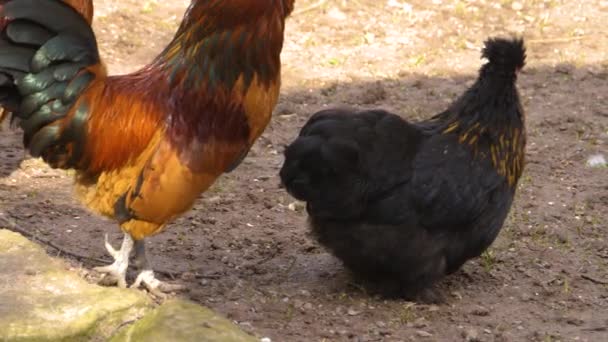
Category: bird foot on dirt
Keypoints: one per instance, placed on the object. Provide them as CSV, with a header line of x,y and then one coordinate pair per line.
x,y
153,285
117,271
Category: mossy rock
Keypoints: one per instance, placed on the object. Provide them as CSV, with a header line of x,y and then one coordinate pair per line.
x,y
41,300
179,320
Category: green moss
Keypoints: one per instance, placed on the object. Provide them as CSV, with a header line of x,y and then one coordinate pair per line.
x,y
41,301
179,320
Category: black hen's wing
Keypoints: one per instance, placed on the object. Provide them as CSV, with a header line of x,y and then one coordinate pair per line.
x,y
342,161
457,197
450,186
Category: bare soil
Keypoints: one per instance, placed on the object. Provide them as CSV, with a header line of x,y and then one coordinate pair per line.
x,y
243,252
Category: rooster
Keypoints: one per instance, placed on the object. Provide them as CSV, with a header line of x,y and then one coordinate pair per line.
x,y
403,204
144,145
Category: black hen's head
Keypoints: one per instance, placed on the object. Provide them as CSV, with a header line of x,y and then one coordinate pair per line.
x,y
507,55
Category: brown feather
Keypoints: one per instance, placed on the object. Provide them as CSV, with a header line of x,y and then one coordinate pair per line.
x,y
126,112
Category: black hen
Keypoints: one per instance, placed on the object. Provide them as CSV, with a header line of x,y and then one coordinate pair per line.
x,y
404,204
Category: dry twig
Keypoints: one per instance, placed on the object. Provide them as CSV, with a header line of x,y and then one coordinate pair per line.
x,y
594,280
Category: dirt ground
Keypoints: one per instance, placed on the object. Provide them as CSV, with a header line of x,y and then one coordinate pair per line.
x,y
245,253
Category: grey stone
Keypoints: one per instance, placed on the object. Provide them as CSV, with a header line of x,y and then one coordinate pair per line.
x,y
40,300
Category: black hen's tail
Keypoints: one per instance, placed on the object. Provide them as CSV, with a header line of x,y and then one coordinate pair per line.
x,y
46,48
505,55
493,96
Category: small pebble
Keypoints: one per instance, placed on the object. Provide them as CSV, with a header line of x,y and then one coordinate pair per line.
x,y
188,276
517,6
214,199
296,206
471,336
597,160
420,323
575,321
480,311
337,14
456,294
353,312
423,333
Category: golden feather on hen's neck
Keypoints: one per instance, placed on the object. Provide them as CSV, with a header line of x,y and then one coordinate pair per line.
x,y
506,152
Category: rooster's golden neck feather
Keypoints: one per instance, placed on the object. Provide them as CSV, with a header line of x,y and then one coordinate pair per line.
x,y
220,41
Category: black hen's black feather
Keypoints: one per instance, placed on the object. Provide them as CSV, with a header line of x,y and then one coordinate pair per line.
x,y
406,204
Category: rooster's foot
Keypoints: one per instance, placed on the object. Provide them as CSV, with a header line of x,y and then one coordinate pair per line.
x,y
117,271
153,285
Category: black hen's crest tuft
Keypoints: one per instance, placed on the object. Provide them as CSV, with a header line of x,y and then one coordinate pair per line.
x,y
508,54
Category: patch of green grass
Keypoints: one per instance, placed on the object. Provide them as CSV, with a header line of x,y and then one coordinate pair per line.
x,y
289,312
488,260
566,286
525,180
334,61
418,60
148,7
343,296
460,9
539,236
407,313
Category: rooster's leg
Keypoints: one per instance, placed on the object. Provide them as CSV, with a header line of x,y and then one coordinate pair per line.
x,y
146,276
117,271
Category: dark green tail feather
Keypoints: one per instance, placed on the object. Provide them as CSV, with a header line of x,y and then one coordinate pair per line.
x,y
33,102
45,116
64,47
76,86
27,33
33,83
44,139
16,58
44,49
52,14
